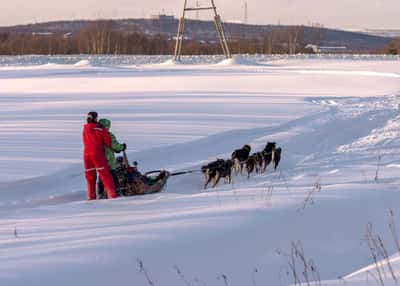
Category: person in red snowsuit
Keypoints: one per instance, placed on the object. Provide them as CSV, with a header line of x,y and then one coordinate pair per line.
x,y
95,138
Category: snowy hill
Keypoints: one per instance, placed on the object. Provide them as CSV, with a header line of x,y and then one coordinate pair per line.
x,y
391,33
336,119
354,41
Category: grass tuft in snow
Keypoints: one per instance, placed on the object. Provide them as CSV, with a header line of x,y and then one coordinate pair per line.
x,y
301,269
143,270
182,276
379,252
224,278
393,230
309,200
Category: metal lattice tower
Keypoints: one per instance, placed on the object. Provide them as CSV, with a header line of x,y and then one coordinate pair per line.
x,y
218,25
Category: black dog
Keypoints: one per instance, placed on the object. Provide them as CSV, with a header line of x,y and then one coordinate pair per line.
x,y
254,163
239,157
268,154
277,157
259,161
251,164
226,172
217,170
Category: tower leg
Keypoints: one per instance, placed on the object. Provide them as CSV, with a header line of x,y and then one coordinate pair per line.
x,y
218,25
179,34
222,38
179,39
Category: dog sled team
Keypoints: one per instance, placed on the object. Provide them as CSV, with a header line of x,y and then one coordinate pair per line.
x,y
117,178
240,160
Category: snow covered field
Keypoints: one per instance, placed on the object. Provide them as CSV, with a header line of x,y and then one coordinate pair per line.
x,y
337,120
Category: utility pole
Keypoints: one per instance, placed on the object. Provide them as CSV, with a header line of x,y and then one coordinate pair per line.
x,y
198,11
218,25
246,13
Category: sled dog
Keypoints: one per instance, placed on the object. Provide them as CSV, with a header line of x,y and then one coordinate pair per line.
x,y
216,170
239,157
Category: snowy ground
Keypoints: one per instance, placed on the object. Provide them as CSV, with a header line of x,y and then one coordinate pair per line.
x,y
337,120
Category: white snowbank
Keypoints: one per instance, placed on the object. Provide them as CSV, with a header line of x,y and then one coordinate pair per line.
x,y
170,62
237,61
82,63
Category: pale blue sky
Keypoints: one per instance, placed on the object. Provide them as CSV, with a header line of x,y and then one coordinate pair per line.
x,y
331,13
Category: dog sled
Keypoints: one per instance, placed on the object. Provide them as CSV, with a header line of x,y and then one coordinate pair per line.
x,y
133,183
144,184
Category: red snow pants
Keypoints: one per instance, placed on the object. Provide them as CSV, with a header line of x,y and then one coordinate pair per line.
x,y
97,163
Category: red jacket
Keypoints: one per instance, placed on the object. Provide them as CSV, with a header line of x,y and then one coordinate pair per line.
x,y
95,137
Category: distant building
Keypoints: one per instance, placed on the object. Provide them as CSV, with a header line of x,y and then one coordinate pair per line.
x,y
42,34
67,35
326,49
162,18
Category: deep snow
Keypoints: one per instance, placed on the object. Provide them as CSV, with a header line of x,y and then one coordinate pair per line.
x,y
334,119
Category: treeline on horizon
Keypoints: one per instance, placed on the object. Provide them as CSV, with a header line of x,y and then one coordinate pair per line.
x,y
101,37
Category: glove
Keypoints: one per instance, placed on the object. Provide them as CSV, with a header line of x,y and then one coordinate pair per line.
x,y
124,147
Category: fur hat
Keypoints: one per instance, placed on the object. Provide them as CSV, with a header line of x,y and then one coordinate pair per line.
x,y
92,117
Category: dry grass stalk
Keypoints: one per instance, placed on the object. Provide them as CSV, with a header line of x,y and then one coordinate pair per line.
x,y
393,230
380,256
378,167
183,278
224,278
317,188
253,277
302,270
143,270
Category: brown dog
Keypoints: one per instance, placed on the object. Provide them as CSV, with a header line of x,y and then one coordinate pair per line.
x,y
216,170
